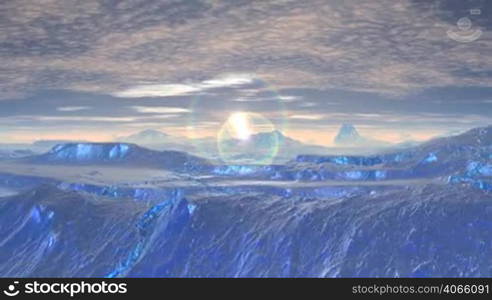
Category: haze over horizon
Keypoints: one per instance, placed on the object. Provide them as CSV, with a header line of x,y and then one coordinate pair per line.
x,y
96,70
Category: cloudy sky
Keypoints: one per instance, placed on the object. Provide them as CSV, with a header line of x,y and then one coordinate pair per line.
x,y
96,69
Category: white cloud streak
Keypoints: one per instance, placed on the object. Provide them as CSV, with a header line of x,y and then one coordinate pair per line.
x,y
169,90
160,110
72,108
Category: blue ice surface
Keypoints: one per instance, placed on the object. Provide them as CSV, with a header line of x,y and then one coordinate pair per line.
x,y
235,170
150,216
477,183
144,224
353,175
131,259
36,214
342,160
191,208
432,157
118,151
380,174
90,151
51,240
138,194
84,151
486,170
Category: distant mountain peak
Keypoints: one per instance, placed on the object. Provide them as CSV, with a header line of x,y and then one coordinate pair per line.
x,y
348,135
275,132
151,132
147,136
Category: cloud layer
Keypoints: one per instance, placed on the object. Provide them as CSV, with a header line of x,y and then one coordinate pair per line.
x,y
316,63
386,46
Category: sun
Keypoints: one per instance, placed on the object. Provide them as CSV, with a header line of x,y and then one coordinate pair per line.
x,y
246,138
240,125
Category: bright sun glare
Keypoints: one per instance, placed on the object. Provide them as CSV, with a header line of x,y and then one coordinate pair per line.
x,y
240,125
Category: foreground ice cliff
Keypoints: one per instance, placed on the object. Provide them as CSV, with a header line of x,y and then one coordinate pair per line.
x,y
423,231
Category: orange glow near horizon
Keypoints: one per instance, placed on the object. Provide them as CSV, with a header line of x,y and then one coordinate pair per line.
x,y
321,138
326,138
28,137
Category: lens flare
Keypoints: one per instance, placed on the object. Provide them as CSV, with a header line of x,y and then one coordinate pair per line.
x,y
240,125
203,123
248,138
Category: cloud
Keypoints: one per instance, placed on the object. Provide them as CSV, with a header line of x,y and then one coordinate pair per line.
x,y
89,121
169,90
388,47
307,117
256,98
160,110
72,108
289,98
77,119
157,90
231,80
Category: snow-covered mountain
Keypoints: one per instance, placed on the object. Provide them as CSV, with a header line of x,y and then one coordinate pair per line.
x,y
122,154
45,145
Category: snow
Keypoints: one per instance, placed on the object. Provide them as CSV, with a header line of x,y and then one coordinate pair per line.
x,y
432,157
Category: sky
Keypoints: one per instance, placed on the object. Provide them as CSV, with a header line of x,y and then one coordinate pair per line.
x,y
98,69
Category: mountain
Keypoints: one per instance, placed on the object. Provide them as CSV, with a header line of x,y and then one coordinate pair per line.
x,y
158,140
264,142
348,136
266,139
45,145
207,146
464,158
145,137
122,154
289,147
